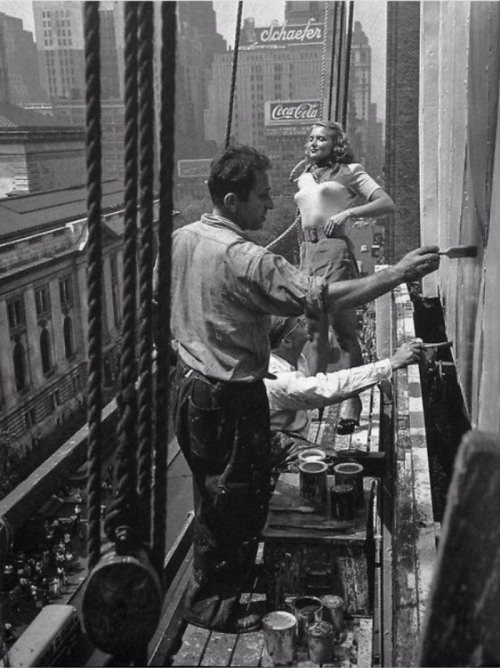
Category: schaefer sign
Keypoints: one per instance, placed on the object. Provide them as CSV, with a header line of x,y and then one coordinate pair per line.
x,y
281,35
291,112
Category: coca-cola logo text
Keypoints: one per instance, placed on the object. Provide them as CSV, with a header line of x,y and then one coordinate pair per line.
x,y
284,113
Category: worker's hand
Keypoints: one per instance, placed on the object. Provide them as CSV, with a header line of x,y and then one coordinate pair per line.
x,y
335,227
419,262
408,353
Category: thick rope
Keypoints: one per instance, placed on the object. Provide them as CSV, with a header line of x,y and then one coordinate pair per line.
x,y
347,63
340,58
332,61
233,74
123,510
94,153
167,147
284,234
323,60
146,175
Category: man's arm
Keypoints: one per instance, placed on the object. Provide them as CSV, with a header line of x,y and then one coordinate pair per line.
x,y
291,390
414,265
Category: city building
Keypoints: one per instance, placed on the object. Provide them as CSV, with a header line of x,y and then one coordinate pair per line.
x,y
282,89
43,306
19,69
38,152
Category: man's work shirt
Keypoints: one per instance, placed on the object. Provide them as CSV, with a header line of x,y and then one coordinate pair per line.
x,y
224,290
292,394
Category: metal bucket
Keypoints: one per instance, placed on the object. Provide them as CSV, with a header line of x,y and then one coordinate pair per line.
x,y
307,610
280,636
320,641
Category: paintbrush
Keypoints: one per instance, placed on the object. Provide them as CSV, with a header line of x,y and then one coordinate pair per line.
x,y
455,252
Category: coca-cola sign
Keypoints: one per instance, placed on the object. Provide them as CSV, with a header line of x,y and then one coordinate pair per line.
x,y
277,35
292,112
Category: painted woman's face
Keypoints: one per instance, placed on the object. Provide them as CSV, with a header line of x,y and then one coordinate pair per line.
x,y
319,144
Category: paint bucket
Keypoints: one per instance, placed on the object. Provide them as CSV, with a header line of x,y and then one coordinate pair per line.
x,y
307,610
342,502
313,483
351,473
312,454
333,612
320,641
280,635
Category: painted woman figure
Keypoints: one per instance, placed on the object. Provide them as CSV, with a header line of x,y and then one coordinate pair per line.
x,y
329,185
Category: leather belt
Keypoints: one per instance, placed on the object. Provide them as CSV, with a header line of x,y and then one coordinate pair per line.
x,y
314,234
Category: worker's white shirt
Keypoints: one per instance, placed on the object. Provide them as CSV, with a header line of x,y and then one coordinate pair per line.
x,y
293,394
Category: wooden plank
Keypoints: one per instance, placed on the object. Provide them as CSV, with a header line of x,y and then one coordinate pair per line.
x,y
248,649
463,618
193,646
219,649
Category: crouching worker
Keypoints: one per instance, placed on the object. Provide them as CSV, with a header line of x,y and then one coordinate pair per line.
x,y
293,394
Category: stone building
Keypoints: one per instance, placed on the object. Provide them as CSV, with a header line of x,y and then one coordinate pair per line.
x,y
43,306
38,152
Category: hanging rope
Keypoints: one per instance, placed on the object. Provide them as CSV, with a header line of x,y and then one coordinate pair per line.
x,y
94,280
233,74
339,60
323,60
164,263
332,61
146,176
347,64
122,513
284,234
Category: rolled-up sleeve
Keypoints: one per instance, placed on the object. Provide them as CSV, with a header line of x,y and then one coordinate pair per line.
x,y
282,289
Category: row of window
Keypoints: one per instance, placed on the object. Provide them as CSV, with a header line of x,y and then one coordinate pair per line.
x,y
16,310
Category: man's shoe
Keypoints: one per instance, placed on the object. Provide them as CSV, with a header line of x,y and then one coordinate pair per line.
x,y
246,624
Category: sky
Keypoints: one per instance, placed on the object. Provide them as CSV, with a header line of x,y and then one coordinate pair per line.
x,y
371,13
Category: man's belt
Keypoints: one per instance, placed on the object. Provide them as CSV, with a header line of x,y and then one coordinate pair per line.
x,y
314,234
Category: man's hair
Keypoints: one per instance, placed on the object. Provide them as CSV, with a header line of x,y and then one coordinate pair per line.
x,y
234,170
280,327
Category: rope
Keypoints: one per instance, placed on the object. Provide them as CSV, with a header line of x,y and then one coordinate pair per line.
x,y
93,145
323,60
123,510
164,263
347,63
233,74
146,175
339,62
332,61
276,241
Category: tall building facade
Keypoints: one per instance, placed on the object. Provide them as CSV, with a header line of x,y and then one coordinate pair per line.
x,y
19,67
60,44
282,88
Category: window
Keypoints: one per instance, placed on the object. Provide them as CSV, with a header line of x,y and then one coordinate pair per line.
x,y
16,314
66,291
68,337
19,366
45,351
42,300
30,418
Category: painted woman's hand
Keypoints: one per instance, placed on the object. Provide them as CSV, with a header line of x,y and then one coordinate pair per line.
x,y
335,227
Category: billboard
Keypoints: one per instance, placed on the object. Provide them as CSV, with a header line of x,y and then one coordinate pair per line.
x,y
291,112
194,168
277,35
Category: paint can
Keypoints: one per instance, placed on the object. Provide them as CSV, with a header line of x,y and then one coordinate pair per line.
x,y
351,473
320,642
307,610
333,612
342,502
312,454
280,636
313,483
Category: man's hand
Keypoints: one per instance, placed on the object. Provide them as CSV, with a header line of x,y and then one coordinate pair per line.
x,y
419,262
408,353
